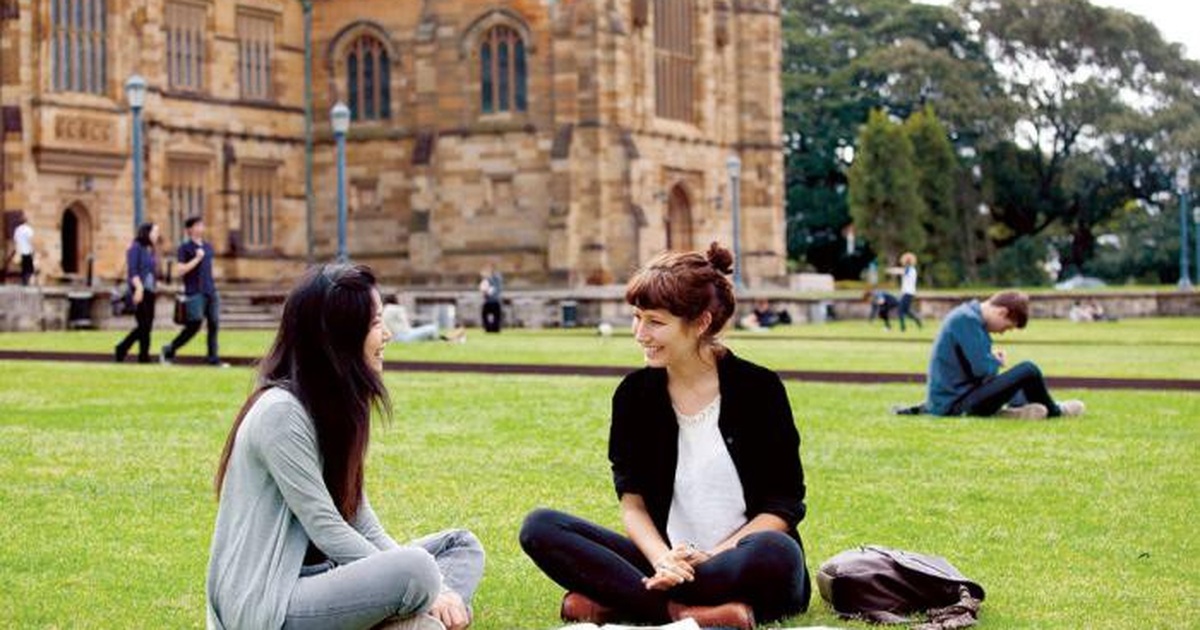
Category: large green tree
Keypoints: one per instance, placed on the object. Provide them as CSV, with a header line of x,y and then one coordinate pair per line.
x,y
884,198
843,58
1103,106
951,244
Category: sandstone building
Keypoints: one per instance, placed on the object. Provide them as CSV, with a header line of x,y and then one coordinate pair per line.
x,y
566,140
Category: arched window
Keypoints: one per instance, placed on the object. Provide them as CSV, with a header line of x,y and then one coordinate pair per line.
x,y
502,71
78,45
674,59
368,80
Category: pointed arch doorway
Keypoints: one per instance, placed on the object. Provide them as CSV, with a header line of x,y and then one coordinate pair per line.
x,y
679,219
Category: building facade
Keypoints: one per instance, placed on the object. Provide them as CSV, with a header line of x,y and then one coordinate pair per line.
x,y
566,141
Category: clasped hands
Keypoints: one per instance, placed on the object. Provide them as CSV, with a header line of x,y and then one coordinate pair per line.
x,y
675,567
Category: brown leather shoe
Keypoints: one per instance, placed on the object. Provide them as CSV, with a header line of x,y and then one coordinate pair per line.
x,y
579,608
727,615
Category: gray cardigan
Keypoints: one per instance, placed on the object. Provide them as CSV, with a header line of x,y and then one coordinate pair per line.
x,y
273,501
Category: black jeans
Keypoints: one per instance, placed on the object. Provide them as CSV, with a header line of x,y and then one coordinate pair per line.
x,y
212,313
143,314
906,301
492,317
766,570
1020,385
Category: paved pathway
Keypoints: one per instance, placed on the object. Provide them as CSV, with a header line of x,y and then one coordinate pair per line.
x,y
815,376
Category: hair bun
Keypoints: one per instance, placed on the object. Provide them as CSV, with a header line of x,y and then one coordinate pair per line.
x,y
720,258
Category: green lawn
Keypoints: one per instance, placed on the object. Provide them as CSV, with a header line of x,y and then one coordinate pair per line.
x,y
1162,348
105,483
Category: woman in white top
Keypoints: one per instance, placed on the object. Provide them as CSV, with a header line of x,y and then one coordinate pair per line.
x,y
296,543
908,289
706,464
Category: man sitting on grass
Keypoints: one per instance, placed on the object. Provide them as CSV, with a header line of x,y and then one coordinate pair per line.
x,y
964,370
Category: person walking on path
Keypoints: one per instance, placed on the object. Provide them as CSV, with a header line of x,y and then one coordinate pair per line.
x,y
195,256
141,264
23,248
964,369
491,287
296,543
908,289
706,463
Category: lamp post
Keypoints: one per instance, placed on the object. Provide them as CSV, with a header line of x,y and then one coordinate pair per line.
x,y
1181,184
135,92
339,118
307,6
733,164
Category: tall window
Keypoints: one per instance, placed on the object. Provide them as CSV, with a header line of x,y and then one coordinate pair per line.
x,y
78,46
258,205
502,72
185,194
368,80
674,59
185,27
256,39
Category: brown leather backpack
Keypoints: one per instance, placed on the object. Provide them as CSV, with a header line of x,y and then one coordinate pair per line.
x,y
884,585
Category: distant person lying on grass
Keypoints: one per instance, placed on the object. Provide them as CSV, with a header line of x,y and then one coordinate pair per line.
x,y
964,369
296,543
395,317
706,462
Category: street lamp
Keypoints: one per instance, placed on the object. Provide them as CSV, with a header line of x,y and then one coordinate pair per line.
x,y
733,164
307,6
339,118
135,92
1181,184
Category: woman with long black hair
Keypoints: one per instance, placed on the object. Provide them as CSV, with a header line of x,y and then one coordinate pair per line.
x,y
296,543
141,265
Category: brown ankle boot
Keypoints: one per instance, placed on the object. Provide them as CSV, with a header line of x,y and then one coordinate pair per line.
x,y
577,607
727,615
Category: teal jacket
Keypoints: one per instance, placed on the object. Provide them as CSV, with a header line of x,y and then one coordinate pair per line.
x,y
961,360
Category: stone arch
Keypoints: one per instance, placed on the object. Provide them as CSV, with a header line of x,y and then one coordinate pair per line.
x,y
678,219
335,54
75,237
469,42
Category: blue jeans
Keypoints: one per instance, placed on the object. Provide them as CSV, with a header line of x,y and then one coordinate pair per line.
x,y
212,313
766,570
396,583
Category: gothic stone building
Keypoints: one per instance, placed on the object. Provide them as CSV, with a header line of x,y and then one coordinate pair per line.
x,y
565,140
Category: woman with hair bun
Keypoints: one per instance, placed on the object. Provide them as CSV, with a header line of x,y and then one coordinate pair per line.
x,y
706,463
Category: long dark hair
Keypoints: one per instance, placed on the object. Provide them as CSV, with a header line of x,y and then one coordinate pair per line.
x,y
143,234
318,357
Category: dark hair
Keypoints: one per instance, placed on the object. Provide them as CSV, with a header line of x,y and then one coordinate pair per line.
x,y
143,234
1015,303
192,220
318,357
687,284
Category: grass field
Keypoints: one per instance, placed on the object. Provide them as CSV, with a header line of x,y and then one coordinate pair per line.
x,y
105,474
1147,348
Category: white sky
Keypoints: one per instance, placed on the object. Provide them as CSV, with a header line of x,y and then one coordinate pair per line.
x,y
1177,20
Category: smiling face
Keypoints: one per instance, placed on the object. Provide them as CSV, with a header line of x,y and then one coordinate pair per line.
x,y
377,335
666,339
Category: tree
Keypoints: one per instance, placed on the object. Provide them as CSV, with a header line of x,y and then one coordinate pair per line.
x,y
884,199
843,58
1086,79
950,241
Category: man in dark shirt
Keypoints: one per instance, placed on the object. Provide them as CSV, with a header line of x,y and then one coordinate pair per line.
x,y
195,265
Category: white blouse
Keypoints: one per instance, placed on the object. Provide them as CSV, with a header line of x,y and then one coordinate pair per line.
x,y
707,505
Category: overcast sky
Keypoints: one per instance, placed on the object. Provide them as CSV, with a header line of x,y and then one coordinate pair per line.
x,y
1177,20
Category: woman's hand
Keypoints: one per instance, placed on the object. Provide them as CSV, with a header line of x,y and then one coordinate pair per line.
x,y
675,567
449,609
138,294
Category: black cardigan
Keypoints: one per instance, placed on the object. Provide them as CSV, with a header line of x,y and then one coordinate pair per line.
x,y
756,422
